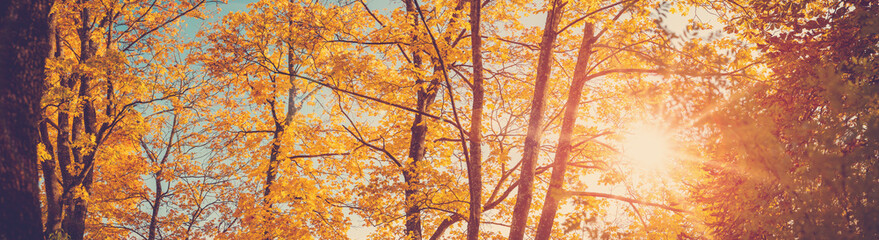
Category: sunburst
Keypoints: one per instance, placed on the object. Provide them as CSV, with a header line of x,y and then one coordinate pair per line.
x,y
647,148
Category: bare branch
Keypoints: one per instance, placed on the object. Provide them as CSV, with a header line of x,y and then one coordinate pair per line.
x,y
318,155
335,88
442,62
196,6
624,199
590,14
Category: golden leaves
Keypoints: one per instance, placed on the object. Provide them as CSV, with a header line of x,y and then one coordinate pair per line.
x,y
42,154
203,116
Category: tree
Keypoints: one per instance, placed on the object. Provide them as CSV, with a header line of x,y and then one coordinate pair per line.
x,y
816,156
24,45
535,121
303,119
163,180
94,90
268,61
556,191
474,166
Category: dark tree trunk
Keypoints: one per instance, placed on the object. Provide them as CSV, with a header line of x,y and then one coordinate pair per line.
x,y
425,96
51,179
76,206
410,175
157,204
271,173
535,123
24,45
555,192
474,167
52,184
159,194
64,142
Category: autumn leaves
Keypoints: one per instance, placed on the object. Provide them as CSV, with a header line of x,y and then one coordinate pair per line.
x,y
300,119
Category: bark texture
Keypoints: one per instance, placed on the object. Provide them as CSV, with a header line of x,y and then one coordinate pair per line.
x,y
24,46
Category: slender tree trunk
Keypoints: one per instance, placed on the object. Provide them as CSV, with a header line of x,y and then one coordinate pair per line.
x,y
24,45
51,180
411,175
157,204
274,160
474,167
76,208
52,184
159,193
69,198
64,141
535,123
65,151
555,193
425,96
271,173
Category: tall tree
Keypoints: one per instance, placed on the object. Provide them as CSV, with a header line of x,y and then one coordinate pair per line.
x,y
802,145
474,166
555,193
293,64
95,91
24,46
48,161
271,62
421,67
535,121
425,96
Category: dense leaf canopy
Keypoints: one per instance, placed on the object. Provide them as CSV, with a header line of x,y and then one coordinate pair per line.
x,y
645,119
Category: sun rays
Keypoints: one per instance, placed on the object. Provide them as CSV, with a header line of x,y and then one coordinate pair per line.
x,y
647,148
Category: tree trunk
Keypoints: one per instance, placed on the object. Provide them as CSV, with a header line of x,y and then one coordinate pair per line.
x,y
76,208
535,123
51,180
157,204
425,96
64,142
24,45
272,170
555,192
274,160
77,211
52,184
474,167
271,173
159,193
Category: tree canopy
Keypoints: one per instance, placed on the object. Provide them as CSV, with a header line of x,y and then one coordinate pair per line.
x,y
444,119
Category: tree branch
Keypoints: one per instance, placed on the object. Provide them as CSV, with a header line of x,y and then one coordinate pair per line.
x,y
162,25
317,155
590,14
624,199
335,88
442,62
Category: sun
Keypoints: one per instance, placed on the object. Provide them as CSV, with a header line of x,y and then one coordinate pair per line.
x,y
647,148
